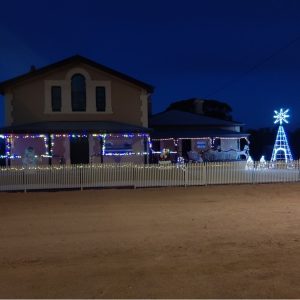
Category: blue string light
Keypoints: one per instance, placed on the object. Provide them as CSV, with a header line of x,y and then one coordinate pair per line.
x,y
49,153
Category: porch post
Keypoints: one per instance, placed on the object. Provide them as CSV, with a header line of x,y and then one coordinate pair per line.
x,y
101,149
176,149
49,141
8,150
146,156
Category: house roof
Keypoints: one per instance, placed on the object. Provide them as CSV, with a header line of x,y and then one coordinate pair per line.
x,y
70,60
75,127
193,133
182,118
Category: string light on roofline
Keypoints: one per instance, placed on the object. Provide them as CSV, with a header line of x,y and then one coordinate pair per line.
x,y
201,138
49,153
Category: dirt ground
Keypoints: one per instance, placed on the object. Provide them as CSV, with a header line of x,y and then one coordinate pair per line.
x,y
239,241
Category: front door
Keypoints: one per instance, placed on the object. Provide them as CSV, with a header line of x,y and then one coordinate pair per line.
x,y
186,147
79,150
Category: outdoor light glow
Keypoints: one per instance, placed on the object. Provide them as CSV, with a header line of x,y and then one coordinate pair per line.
x,y
50,140
281,116
249,163
281,150
201,138
262,163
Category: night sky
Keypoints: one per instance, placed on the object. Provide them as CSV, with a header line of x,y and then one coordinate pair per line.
x,y
245,53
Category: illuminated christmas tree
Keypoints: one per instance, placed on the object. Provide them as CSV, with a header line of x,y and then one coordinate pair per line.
x,y
281,150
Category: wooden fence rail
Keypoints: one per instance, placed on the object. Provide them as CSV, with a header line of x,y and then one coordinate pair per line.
x,y
152,175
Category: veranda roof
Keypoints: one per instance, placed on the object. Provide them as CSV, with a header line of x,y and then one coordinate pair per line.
x,y
194,133
75,127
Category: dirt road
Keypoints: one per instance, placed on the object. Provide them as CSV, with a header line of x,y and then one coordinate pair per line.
x,y
205,242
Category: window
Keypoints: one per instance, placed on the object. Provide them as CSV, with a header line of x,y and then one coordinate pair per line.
x,y
118,148
56,98
78,95
201,144
100,98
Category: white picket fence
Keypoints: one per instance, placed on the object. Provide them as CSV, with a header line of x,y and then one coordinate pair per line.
x,y
152,175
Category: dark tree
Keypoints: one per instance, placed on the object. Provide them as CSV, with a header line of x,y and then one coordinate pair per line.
x,y
262,142
294,139
211,108
216,109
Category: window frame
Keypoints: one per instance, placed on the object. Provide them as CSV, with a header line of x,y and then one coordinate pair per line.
x,y
53,99
66,102
78,92
98,107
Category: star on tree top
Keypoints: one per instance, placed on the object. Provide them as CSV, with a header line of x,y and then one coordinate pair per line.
x,y
281,116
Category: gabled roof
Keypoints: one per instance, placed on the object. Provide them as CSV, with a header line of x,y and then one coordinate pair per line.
x,y
70,60
194,133
75,127
182,118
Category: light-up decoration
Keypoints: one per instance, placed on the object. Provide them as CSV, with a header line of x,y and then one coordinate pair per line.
x,y
281,116
249,163
180,163
30,159
281,150
165,154
262,163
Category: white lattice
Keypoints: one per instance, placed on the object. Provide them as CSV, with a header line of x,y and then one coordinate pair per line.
x,y
281,150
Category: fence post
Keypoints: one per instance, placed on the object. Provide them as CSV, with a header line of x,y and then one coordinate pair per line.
x,y
24,180
81,177
185,170
133,175
253,170
205,172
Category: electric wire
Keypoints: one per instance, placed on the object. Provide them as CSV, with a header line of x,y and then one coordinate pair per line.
x,y
254,67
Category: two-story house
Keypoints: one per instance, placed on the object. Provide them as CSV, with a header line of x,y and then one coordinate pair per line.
x,y
74,111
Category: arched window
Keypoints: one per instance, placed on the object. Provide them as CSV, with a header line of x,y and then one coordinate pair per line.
x,y
78,88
